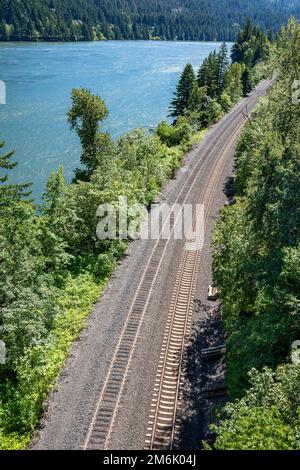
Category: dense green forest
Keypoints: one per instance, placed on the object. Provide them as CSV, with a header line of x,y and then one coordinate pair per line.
x,y
201,98
256,266
73,20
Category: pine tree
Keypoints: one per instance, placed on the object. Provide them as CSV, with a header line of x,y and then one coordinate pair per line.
x,y
183,92
237,54
223,63
251,46
124,19
5,163
10,193
208,74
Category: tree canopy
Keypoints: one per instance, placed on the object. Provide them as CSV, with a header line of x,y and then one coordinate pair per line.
x,y
256,265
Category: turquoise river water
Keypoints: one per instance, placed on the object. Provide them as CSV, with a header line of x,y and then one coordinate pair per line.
x,y
136,80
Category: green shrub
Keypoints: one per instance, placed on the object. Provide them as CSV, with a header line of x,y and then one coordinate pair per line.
x,y
174,135
267,417
21,401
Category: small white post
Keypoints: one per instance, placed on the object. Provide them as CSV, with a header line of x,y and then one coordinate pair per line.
x,y
2,353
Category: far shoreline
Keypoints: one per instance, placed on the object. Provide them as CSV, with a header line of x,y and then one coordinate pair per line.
x,y
49,41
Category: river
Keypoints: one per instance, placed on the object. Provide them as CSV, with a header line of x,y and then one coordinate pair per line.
x,y
135,78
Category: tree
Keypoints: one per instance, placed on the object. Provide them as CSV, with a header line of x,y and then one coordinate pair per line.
x,y
251,46
10,193
212,72
208,75
26,297
267,417
257,240
233,84
85,116
223,64
183,92
174,135
243,36
123,19
58,224
87,32
202,110
5,163
247,81
4,32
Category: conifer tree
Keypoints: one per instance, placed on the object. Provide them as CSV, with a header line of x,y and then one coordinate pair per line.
x,y
208,74
223,64
247,81
128,19
251,46
10,193
183,92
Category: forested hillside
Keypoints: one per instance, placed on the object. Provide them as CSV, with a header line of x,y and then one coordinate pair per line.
x,y
256,266
72,20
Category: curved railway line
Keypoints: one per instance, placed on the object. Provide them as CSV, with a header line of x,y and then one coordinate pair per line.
x,y
164,419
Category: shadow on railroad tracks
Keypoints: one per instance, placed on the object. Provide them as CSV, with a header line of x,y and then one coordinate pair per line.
x,y
205,389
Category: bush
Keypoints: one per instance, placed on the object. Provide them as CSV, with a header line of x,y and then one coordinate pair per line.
x,y
225,102
175,135
268,417
21,401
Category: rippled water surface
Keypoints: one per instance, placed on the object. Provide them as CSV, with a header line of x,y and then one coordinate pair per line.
x,y
136,79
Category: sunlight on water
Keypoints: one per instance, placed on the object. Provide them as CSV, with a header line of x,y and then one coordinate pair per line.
x,y
136,79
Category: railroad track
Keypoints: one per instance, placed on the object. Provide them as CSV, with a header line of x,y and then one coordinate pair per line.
x,y
102,422
164,420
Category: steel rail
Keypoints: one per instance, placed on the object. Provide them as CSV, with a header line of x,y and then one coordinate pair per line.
x,y
102,422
